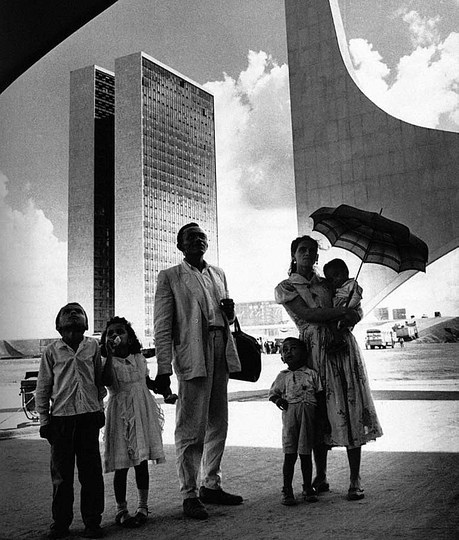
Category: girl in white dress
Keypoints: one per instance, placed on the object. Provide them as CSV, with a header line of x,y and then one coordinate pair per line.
x,y
133,429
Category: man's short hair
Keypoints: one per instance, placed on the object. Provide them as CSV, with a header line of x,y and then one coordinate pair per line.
x,y
182,230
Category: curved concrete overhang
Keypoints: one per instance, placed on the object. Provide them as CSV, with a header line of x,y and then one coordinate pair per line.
x,y
348,150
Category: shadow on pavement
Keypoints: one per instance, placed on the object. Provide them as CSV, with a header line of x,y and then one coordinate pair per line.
x,y
407,495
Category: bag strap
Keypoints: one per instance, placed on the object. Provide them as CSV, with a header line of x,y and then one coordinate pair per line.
x,y
237,326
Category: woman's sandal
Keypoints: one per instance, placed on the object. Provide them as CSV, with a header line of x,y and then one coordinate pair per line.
x,y
124,519
140,517
355,494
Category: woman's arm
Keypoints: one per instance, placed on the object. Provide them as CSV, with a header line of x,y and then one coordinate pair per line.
x,y
298,306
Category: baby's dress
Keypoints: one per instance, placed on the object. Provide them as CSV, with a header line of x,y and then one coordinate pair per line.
x,y
133,428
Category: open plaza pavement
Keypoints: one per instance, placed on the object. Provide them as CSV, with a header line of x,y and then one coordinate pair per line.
x,y
410,475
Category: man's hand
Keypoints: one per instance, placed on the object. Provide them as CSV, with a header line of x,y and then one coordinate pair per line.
x,y
162,383
227,306
282,404
45,432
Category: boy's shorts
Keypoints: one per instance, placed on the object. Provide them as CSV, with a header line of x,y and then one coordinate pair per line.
x,y
298,428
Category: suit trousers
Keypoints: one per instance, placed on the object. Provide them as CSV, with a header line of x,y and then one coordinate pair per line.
x,y
76,437
202,421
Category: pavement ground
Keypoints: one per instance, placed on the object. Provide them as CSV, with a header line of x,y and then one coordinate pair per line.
x,y
410,476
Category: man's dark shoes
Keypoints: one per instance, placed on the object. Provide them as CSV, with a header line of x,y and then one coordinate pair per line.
x,y
94,531
218,496
54,533
310,495
321,486
194,508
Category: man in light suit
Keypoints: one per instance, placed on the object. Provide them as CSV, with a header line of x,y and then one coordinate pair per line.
x,y
192,333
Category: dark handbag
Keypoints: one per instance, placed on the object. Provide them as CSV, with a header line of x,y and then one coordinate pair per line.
x,y
249,352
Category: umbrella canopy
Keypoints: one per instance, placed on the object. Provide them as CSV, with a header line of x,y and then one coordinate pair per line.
x,y
372,237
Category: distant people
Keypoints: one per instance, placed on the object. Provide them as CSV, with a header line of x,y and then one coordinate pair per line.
x,y
346,293
351,415
192,317
401,342
133,432
295,391
69,400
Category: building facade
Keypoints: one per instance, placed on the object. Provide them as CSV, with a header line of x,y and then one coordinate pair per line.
x,y
163,176
348,150
91,193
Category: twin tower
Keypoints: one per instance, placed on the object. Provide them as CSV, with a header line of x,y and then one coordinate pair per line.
x,y
141,164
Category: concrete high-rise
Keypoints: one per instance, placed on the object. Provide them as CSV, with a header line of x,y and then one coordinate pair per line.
x,y
347,150
91,193
163,175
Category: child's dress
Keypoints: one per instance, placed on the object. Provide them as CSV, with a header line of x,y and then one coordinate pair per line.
x,y
133,428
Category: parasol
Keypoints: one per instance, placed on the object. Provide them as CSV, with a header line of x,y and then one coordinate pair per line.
x,y
372,237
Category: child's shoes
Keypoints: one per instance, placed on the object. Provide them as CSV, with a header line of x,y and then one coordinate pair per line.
x,y
124,519
141,516
288,499
310,495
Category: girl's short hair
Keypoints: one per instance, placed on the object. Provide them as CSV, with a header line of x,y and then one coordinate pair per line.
x,y
294,246
134,343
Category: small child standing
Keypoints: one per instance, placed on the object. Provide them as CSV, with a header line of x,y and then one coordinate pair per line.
x,y
347,293
133,432
295,391
69,400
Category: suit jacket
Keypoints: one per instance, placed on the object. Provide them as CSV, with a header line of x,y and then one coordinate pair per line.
x,y
181,324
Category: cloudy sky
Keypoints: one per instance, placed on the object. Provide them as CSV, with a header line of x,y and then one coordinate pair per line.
x,y
406,55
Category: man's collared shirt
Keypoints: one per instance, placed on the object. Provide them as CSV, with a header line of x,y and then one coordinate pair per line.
x,y
207,283
67,379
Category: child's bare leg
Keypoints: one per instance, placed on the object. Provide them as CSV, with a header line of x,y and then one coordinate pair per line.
x,y
288,499
119,486
320,458
123,518
309,493
306,470
288,469
142,481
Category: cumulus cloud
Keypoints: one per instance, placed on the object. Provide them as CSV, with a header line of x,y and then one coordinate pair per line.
x,y
424,84
256,203
423,30
33,271
253,132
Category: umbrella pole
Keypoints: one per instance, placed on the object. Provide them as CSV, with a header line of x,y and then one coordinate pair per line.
x,y
363,260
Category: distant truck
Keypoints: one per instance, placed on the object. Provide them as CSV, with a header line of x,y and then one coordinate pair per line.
x,y
380,338
407,331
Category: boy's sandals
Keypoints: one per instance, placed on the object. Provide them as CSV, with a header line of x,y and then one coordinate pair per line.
x,y
355,494
124,519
